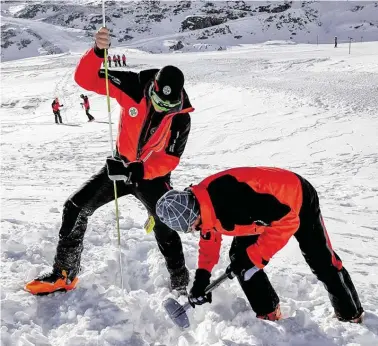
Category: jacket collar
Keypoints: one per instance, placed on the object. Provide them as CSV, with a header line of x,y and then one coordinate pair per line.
x,y
208,216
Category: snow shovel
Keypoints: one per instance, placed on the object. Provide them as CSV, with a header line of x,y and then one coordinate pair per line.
x,y
177,312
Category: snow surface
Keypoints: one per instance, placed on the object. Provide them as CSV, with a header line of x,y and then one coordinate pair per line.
x,y
312,109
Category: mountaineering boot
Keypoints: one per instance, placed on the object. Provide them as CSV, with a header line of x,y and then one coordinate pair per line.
x,y
356,319
179,280
54,281
273,316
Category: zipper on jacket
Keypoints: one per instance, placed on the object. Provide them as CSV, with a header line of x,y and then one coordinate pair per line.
x,y
140,133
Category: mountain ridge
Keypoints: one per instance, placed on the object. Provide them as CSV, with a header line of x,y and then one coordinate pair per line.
x,y
183,26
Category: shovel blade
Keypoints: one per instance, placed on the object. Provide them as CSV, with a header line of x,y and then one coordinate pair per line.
x,y
177,313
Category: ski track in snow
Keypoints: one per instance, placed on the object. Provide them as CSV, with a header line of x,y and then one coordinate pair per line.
x,y
312,109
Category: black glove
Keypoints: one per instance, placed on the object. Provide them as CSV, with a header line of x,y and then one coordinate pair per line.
x,y
241,265
135,171
119,170
197,294
61,105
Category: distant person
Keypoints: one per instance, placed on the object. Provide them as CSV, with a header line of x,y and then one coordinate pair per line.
x,y
115,60
86,106
124,60
335,41
55,107
110,61
119,60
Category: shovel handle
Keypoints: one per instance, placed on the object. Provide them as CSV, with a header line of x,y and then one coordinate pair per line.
x,y
211,287
183,308
226,275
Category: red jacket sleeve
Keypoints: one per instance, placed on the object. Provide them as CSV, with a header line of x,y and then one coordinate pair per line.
x,y
159,164
273,239
86,75
209,248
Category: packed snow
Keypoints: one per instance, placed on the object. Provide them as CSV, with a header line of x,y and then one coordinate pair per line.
x,y
308,108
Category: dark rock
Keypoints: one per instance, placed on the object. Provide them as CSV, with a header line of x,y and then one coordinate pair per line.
x,y
357,8
179,45
125,38
200,22
281,8
31,11
23,43
156,17
97,19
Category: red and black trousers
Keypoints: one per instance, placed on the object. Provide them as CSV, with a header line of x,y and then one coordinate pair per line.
x,y
317,250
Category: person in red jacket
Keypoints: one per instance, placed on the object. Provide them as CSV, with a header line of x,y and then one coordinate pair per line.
x,y
109,61
56,111
86,106
153,130
115,59
262,208
124,59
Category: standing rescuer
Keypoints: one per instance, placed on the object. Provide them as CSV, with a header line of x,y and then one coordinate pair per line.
x,y
56,111
86,106
153,130
261,208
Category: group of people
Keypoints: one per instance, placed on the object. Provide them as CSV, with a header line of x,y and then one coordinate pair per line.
x,y
84,104
117,60
260,207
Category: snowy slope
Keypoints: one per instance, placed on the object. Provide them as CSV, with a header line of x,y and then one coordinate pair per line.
x,y
31,37
312,109
183,26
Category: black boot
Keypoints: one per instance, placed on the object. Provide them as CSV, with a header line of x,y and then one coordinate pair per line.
x,y
179,280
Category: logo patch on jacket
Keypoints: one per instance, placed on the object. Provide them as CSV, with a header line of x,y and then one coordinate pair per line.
x,y
205,236
115,79
133,112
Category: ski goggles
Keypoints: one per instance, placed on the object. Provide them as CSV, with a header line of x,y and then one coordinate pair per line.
x,y
161,105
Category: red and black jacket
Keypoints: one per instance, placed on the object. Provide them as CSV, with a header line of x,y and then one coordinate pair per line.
x,y
144,135
55,106
248,201
86,103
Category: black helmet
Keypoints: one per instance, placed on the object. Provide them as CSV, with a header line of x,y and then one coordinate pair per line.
x,y
169,82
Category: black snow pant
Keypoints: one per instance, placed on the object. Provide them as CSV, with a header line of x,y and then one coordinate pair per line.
x,y
124,63
317,250
90,117
58,118
98,191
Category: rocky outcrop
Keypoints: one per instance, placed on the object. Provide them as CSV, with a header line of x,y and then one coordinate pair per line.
x,y
200,22
7,33
179,45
